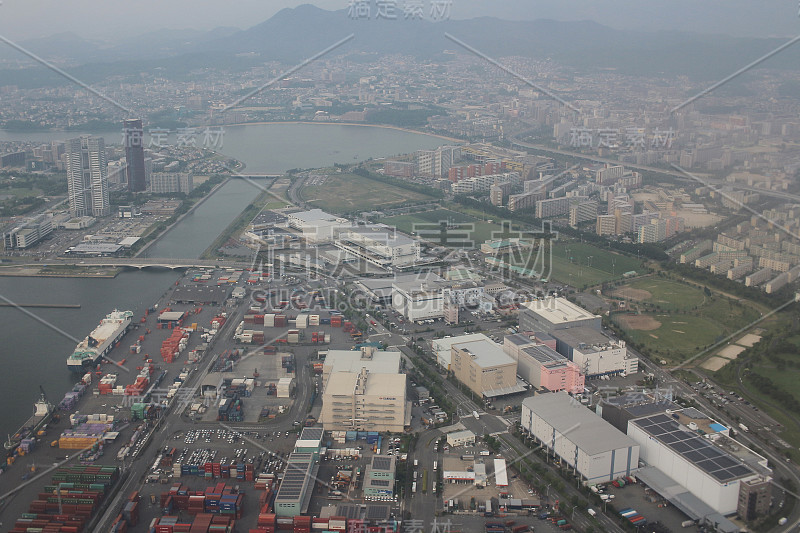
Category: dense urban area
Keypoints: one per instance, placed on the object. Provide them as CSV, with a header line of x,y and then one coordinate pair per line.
x,y
506,288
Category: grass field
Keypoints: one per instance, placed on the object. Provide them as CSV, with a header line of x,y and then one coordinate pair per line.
x,y
461,228
764,361
584,265
20,192
344,193
686,321
667,295
675,336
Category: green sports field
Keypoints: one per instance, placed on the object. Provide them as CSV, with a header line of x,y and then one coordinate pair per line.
x,y
675,321
347,193
584,265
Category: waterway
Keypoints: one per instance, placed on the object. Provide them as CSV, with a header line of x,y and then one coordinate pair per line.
x,y
35,343
195,232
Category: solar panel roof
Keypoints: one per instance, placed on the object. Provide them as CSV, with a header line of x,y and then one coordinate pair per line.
x,y
699,451
294,480
381,463
378,512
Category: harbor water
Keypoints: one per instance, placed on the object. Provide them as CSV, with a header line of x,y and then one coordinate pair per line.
x,y
36,342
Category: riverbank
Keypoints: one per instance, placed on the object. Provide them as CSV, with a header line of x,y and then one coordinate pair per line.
x,y
49,271
359,124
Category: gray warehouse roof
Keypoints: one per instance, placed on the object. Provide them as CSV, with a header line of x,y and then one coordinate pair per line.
x,y
581,335
577,423
311,433
297,477
544,354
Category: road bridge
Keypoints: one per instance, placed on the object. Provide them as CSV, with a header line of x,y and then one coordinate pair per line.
x,y
146,262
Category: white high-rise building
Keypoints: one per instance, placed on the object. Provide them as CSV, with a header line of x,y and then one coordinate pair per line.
x,y
87,177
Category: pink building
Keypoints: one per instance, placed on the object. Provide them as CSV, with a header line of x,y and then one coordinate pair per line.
x,y
542,366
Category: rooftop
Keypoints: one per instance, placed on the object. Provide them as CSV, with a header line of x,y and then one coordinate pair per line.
x,y
485,353
384,234
298,474
518,339
384,385
694,448
558,310
577,423
382,287
583,335
544,354
446,344
383,463
311,433
416,282
354,360
313,215
463,434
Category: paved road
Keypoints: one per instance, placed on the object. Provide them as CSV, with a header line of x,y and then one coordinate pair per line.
x,y
424,506
512,449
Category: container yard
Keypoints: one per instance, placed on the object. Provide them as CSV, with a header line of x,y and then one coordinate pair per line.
x,y
214,370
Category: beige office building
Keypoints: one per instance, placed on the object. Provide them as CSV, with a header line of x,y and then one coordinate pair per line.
x,y
483,367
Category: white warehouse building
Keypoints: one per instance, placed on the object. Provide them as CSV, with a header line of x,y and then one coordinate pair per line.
x,y
707,471
595,449
316,225
419,298
379,245
595,353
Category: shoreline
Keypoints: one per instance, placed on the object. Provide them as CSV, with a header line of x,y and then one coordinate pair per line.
x,y
56,275
359,124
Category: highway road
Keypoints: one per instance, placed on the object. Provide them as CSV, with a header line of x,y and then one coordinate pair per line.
x,y
781,468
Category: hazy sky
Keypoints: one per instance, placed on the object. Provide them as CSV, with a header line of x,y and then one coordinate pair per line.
x,y
108,19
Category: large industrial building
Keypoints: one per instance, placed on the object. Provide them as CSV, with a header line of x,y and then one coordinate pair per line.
x,y
710,472
29,232
379,245
550,314
543,367
595,449
595,353
484,368
418,299
364,401
316,225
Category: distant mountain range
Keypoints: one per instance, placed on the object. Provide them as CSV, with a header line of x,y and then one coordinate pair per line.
x,y
295,34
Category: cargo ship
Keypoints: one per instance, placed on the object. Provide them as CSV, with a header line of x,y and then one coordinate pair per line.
x,y
42,413
100,341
